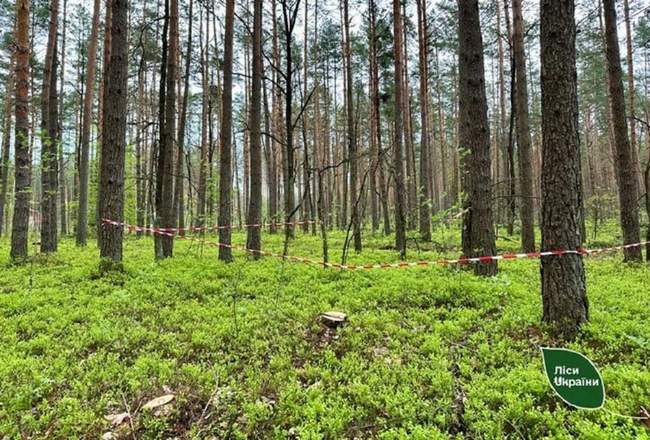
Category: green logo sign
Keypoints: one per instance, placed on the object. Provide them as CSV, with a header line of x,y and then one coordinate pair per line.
x,y
574,378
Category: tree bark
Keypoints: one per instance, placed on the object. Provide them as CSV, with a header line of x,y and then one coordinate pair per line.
x,y
631,92
49,150
20,223
63,215
6,141
564,295
225,159
628,188
82,212
165,172
253,240
351,135
474,140
425,172
179,191
289,15
398,155
111,202
523,133
203,160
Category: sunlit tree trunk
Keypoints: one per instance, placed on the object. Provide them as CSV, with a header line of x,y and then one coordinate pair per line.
x,y
20,223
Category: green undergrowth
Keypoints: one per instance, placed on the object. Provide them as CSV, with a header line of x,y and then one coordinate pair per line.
x,y
426,353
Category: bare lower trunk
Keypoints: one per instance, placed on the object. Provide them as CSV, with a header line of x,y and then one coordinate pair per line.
x,y
564,295
49,125
523,133
474,140
82,211
425,149
23,161
398,160
628,183
253,240
225,159
111,203
6,143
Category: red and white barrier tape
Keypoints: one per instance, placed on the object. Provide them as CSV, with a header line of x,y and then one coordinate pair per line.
x,y
402,264
174,231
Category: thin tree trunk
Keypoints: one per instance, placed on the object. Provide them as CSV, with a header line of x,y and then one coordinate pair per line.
x,y
512,178
289,15
165,172
372,122
351,135
398,158
225,158
179,192
631,92
411,174
523,133
253,240
564,295
84,166
474,140
628,182
6,141
203,160
49,150
425,172
63,215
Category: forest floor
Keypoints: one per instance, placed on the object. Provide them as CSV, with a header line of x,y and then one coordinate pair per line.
x,y
425,353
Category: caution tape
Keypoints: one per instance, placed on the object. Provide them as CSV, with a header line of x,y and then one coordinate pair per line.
x,y
398,265
191,229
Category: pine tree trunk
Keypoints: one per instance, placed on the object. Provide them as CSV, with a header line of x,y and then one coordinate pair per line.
x,y
563,279
49,150
372,122
20,223
225,159
289,15
111,203
179,191
523,133
203,160
167,117
631,92
355,218
398,155
253,240
474,140
276,124
6,142
411,174
82,211
425,172
108,21
628,188
63,215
